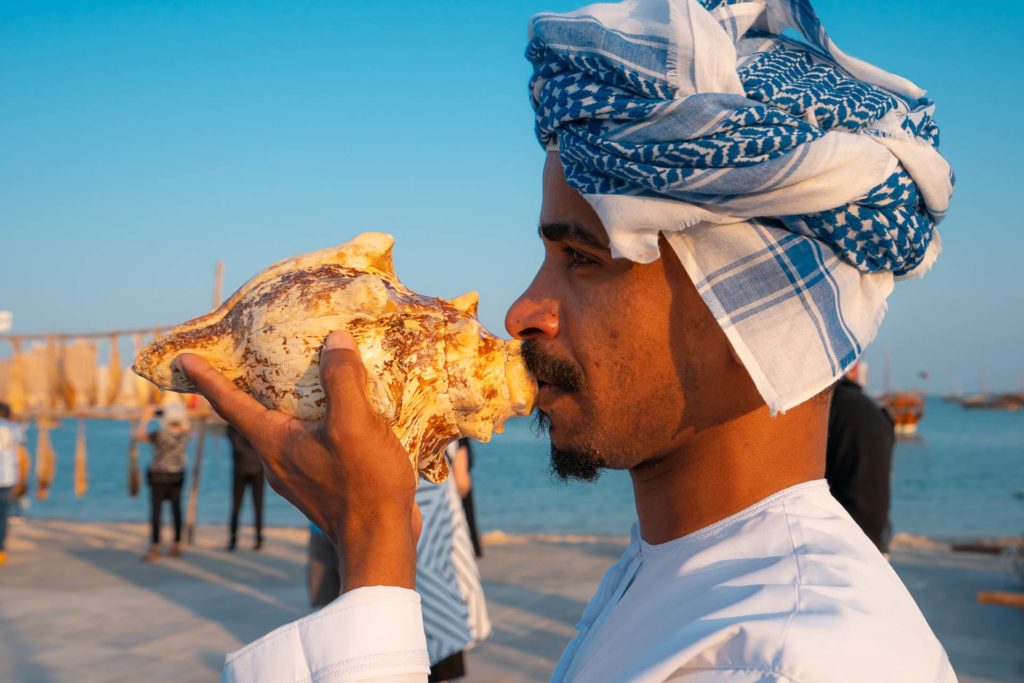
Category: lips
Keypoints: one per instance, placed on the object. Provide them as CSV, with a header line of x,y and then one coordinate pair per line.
x,y
548,393
555,376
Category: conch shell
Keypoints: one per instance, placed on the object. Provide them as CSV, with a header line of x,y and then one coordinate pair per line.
x,y
433,372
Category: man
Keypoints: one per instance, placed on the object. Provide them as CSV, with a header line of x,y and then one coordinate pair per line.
x,y
246,471
858,459
12,437
166,472
724,211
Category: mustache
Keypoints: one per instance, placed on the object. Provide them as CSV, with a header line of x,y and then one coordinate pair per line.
x,y
563,374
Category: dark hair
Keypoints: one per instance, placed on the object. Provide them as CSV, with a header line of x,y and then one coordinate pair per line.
x,y
5,411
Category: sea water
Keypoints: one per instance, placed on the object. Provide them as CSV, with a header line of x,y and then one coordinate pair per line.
x,y
963,476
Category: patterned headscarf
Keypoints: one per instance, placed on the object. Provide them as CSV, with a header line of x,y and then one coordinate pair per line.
x,y
793,181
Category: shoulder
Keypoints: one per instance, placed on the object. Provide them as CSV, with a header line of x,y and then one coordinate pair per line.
x,y
821,603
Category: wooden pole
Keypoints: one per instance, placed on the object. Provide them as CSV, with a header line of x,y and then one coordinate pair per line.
x,y
64,336
193,491
197,467
218,283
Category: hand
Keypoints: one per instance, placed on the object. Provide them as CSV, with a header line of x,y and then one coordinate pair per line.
x,y
347,473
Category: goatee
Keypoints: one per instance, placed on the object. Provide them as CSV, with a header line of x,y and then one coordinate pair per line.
x,y
569,463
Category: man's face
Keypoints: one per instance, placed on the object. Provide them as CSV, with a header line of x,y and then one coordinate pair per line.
x,y
619,348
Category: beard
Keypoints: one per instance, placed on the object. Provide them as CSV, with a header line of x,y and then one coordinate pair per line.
x,y
580,463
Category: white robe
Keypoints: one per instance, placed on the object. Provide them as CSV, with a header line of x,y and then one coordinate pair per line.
x,y
787,590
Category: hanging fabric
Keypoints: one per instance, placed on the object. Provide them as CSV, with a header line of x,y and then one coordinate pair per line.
x,y
78,369
127,395
133,468
36,378
45,458
81,464
53,369
142,386
15,384
114,374
24,466
5,377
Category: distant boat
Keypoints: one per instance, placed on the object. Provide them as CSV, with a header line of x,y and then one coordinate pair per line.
x,y
1010,402
906,409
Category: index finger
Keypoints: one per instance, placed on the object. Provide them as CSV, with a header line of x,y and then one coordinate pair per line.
x,y
248,415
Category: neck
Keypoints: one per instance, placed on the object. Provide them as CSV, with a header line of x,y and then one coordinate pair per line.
x,y
725,468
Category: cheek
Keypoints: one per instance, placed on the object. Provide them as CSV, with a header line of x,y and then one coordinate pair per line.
x,y
631,363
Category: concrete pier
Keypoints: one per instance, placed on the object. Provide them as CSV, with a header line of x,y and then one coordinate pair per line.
x,y
77,604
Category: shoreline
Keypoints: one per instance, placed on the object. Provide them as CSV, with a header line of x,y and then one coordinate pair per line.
x,y
902,540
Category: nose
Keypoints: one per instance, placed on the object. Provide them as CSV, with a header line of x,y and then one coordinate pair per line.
x,y
532,315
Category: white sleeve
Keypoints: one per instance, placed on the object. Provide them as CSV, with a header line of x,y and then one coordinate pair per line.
x,y
367,635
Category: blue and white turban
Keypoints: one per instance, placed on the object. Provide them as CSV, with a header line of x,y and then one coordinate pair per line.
x,y
793,181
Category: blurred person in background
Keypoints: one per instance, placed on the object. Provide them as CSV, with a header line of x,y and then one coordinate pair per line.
x,y
323,569
12,435
166,472
460,455
858,458
246,471
447,578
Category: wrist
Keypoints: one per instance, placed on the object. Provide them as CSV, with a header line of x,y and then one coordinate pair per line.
x,y
377,552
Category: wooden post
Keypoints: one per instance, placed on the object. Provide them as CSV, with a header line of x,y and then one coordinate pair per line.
x,y
193,490
218,283
197,466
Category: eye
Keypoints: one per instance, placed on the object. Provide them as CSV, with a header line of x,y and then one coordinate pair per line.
x,y
578,258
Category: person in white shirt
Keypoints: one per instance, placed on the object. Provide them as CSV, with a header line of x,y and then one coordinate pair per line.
x,y
12,437
724,212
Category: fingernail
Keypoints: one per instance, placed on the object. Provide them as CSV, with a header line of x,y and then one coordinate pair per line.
x,y
339,340
178,365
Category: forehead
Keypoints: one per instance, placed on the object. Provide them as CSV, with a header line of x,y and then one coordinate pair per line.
x,y
563,204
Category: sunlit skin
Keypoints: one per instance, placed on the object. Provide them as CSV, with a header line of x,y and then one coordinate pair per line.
x,y
661,395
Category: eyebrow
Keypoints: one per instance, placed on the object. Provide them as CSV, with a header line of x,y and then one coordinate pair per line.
x,y
569,232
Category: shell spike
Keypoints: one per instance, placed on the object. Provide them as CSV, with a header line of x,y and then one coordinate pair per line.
x,y
466,303
369,250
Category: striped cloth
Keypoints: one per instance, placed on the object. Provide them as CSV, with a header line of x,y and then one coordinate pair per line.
x,y
793,181
447,578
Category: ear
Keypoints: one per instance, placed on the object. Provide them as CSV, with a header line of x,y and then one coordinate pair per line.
x,y
467,303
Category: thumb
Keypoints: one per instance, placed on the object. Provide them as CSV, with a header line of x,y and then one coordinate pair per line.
x,y
343,378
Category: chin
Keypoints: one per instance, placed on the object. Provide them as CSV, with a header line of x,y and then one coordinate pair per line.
x,y
576,465
571,459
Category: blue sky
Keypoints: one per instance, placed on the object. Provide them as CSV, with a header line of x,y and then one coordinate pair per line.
x,y
142,141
